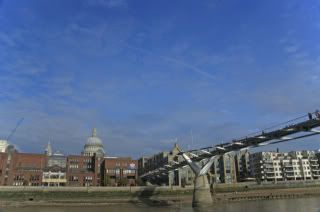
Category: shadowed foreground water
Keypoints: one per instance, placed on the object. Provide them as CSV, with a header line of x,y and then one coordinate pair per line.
x,y
292,205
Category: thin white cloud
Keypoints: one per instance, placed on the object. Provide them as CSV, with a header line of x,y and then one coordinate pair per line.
x,y
291,49
176,61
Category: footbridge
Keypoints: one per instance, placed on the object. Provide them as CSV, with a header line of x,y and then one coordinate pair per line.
x,y
200,160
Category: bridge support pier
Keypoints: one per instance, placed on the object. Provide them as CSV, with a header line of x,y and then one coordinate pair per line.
x,y
201,193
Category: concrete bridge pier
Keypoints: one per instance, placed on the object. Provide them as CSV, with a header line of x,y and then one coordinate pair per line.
x,y
201,193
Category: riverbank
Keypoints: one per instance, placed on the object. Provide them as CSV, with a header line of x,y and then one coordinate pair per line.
x,y
75,196
151,196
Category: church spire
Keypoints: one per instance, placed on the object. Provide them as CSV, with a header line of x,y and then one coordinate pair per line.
x,y
48,150
94,132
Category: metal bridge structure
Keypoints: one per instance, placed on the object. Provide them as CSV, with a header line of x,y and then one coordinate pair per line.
x,y
200,160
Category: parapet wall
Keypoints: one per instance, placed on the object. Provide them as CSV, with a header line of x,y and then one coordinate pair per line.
x,y
218,187
95,189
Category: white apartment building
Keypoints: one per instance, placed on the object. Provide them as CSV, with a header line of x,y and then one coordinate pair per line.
x,y
3,145
275,166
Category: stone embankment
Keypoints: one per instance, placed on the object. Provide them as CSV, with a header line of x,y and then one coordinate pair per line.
x,y
266,194
254,191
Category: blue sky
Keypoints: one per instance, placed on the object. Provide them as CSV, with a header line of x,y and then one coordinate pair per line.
x,y
146,72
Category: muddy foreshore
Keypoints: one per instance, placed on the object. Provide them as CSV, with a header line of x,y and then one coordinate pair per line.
x,y
143,196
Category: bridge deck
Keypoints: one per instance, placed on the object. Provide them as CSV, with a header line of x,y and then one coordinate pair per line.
x,y
304,126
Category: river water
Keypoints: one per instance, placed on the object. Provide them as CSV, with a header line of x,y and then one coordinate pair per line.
x,y
292,205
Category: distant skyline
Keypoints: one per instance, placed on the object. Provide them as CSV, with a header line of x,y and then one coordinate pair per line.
x,y
147,72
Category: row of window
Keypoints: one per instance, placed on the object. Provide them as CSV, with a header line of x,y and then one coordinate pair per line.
x,y
294,174
21,178
117,171
118,164
76,178
76,166
77,161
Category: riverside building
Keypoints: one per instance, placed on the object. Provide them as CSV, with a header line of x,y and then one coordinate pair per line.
x,y
52,168
3,145
180,177
6,147
82,170
22,169
242,166
275,166
119,171
55,172
223,169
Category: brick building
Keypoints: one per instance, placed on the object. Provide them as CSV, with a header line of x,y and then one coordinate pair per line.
x,y
83,170
22,169
4,168
25,169
91,168
119,171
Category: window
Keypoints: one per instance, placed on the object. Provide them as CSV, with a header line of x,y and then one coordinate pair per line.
x,y
35,178
73,166
88,178
129,171
74,178
19,178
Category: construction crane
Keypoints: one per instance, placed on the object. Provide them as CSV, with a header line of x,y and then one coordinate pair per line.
x,y
14,129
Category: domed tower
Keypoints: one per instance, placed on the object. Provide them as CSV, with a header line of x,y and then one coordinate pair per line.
x,y
94,145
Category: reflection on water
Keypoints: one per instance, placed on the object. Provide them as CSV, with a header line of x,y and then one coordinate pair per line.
x,y
292,205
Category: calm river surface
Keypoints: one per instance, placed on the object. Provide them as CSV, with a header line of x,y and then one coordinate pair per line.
x,y
292,205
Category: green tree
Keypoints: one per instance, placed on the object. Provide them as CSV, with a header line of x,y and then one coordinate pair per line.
x,y
123,182
107,181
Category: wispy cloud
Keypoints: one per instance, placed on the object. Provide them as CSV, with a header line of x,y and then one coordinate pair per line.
x,y
144,78
291,48
178,62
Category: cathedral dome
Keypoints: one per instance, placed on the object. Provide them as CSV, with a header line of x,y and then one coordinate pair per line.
x,y
94,141
94,145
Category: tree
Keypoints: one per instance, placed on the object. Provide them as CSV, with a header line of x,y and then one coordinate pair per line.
x,y
107,181
123,182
